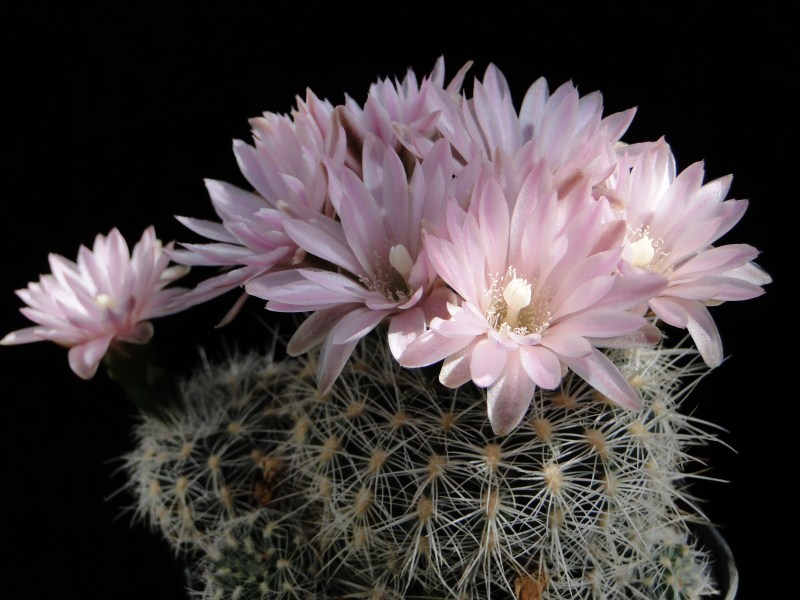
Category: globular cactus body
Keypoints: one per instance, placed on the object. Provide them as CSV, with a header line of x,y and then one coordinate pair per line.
x,y
391,486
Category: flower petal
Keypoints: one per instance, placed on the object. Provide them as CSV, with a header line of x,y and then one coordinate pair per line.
x,y
599,372
431,347
704,332
313,330
404,328
542,365
487,362
332,359
356,324
85,358
455,370
509,398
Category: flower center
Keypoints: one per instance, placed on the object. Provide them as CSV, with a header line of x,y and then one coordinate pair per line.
x,y
517,295
646,252
105,301
401,260
512,306
643,251
392,282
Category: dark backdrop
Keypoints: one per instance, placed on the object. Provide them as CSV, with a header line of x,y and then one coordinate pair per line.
x,y
115,115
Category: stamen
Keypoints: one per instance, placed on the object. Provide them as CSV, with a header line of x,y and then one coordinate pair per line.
x,y
401,260
105,301
646,252
511,306
392,280
643,251
517,295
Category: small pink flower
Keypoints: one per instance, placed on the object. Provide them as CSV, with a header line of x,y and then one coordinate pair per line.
x,y
375,248
399,113
108,295
565,129
286,169
672,223
535,297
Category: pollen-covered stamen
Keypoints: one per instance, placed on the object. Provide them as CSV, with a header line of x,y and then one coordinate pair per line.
x,y
511,305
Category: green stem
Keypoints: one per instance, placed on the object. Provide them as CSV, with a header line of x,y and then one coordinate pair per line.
x,y
137,369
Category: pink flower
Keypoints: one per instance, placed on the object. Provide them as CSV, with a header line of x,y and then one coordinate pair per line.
x,y
286,169
375,249
108,295
564,129
534,297
672,222
400,113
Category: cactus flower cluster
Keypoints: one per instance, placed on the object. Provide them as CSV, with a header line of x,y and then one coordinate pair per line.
x,y
529,253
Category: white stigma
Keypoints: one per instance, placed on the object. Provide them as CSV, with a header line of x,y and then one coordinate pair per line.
x,y
643,251
401,260
105,301
517,294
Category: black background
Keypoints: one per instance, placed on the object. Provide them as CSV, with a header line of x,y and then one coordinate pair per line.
x,y
115,115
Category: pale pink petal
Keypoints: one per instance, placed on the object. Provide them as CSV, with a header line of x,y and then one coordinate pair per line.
x,y
715,288
632,288
229,200
216,286
85,358
435,305
466,321
315,328
141,333
214,254
599,372
455,370
404,328
430,348
751,273
616,124
332,359
487,362
715,261
356,324
586,295
494,224
336,283
566,345
542,365
450,264
262,286
704,332
26,335
647,335
509,398
599,323
209,229
362,221
327,242
670,310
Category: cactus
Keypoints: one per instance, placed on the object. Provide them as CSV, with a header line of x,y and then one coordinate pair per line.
x,y
392,486
210,461
260,555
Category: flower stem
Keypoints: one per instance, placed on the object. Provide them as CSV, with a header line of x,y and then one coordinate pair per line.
x,y
138,370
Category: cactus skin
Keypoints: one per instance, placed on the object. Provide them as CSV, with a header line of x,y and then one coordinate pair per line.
x,y
259,556
208,462
398,488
